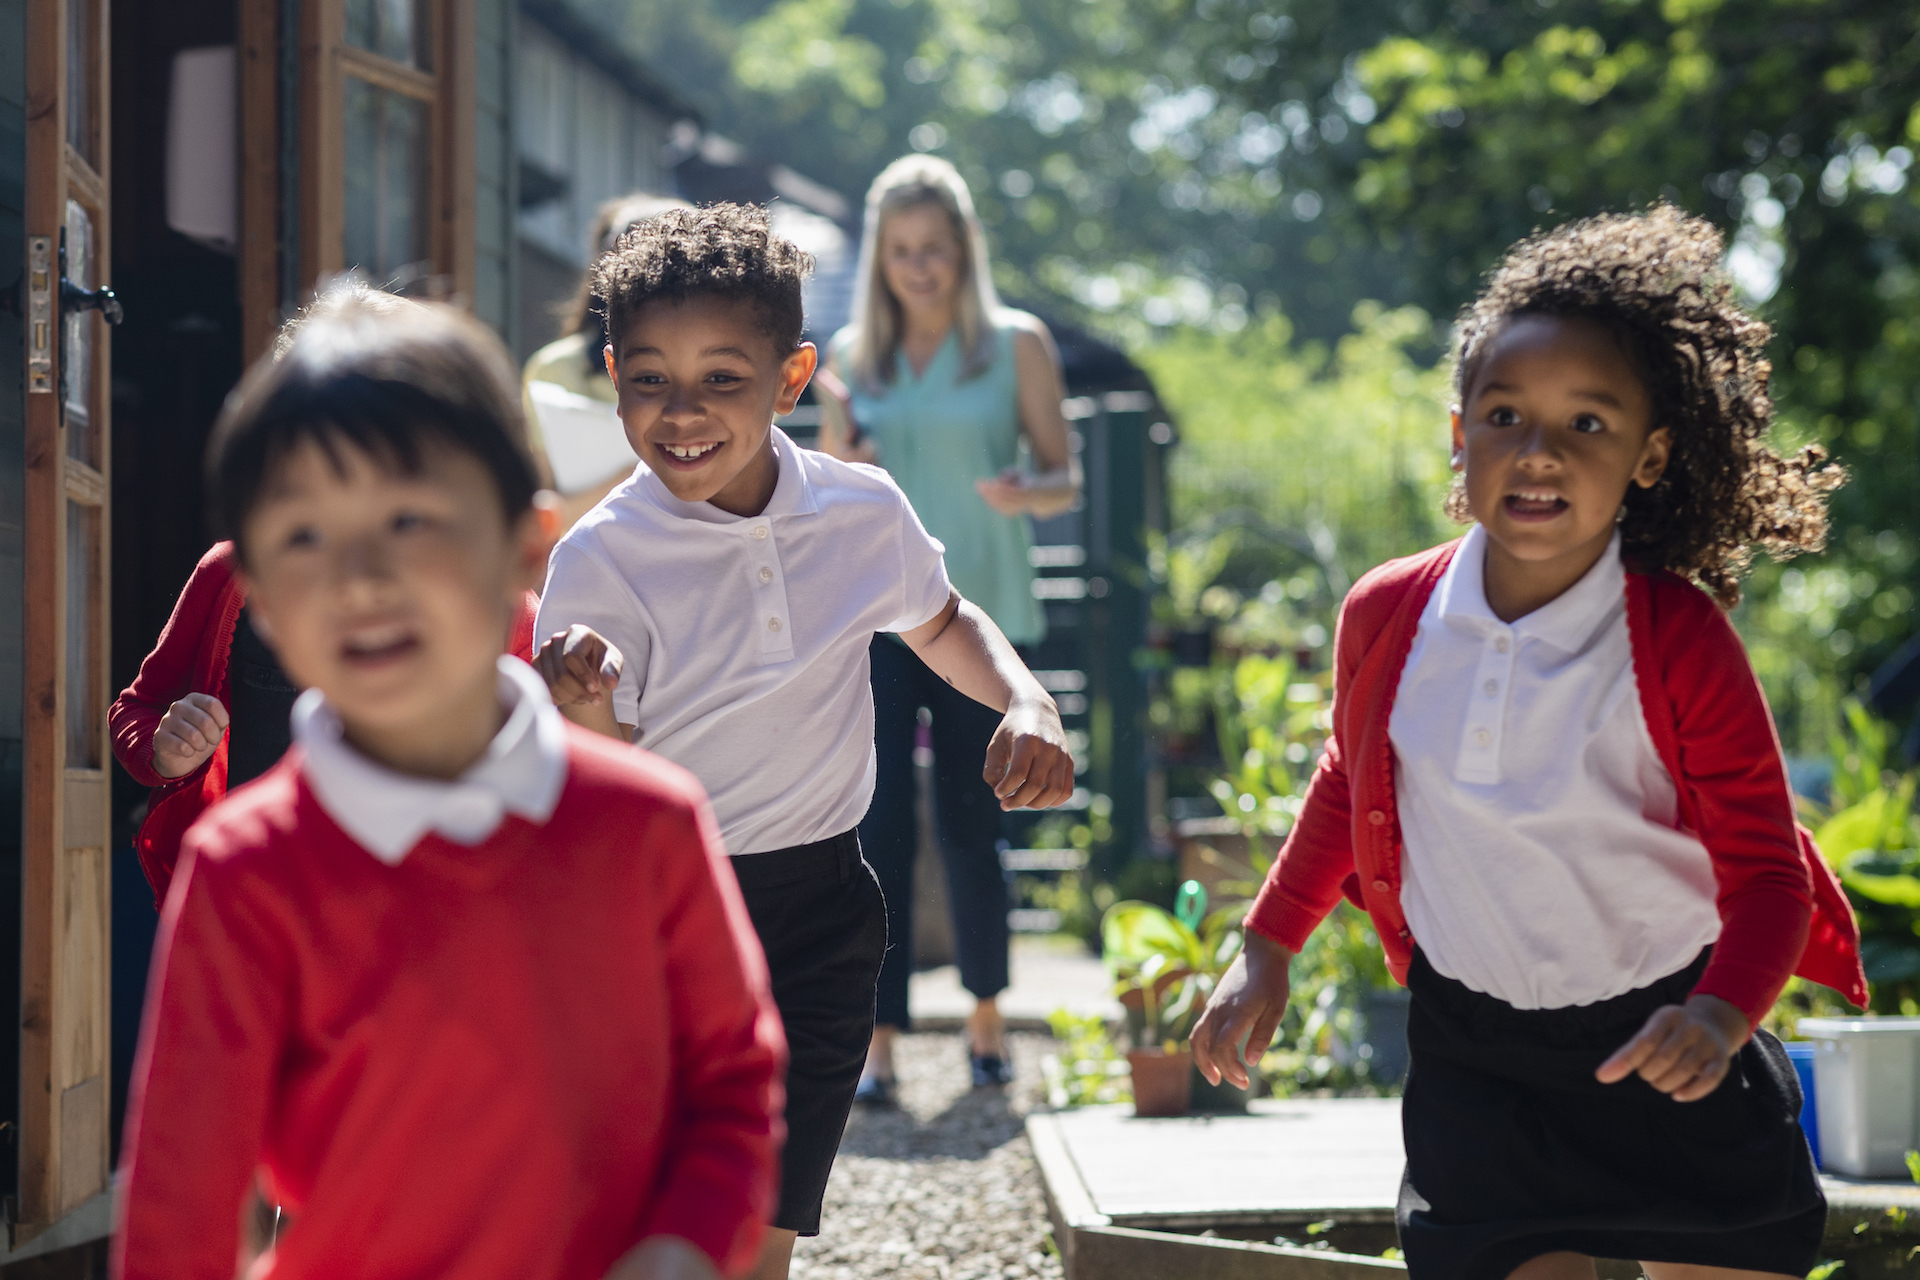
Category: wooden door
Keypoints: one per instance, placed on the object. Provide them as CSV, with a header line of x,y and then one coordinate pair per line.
x,y
65,879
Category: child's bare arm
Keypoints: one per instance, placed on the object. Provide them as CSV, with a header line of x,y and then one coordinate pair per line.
x,y
581,669
1246,1006
1683,1050
1028,764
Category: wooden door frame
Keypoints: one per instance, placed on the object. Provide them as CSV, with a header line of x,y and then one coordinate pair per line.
x,y
65,880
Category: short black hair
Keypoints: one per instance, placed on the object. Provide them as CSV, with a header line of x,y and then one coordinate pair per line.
x,y
1656,280
387,375
724,250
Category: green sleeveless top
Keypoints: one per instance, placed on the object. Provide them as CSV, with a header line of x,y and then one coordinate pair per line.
x,y
936,435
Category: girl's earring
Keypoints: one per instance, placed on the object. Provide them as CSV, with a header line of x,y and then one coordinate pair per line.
x,y
1459,462
1620,516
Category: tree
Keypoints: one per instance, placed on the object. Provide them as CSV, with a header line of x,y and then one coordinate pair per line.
x,y
1149,164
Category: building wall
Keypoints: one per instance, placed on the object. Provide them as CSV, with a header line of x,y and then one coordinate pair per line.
x,y
581,138
496,179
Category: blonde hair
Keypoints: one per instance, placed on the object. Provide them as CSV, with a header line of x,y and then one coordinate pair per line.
x,y
908,183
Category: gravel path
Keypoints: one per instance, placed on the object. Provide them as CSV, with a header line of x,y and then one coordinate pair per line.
x,y
945,1188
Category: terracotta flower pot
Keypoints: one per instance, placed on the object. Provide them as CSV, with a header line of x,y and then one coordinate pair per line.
x,y
1162,1081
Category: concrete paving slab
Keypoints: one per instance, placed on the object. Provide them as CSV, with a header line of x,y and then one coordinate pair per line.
x,y
1048,972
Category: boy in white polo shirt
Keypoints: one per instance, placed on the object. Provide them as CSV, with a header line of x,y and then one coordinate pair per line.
x,y
716,609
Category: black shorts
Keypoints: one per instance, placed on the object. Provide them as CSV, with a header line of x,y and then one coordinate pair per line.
x,y
1515,1150
823,925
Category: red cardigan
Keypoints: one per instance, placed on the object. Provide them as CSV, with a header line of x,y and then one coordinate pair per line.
x,y
191,657
507,1061
1781,909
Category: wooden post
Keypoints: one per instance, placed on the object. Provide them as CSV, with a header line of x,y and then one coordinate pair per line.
x,y
322,144
259,176
456,105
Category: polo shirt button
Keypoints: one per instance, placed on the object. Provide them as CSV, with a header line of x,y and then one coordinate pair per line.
x,y
766,574
1377,818
1381,886
760,531
1482,737
1500,644
773,624
1492,687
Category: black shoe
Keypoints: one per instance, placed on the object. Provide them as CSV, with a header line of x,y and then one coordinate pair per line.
x,y
876,1091
990,1070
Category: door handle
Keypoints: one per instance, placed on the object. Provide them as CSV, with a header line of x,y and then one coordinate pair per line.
x,y
76,298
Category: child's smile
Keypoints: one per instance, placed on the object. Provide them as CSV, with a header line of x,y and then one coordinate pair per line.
x,y
1555,425
700,384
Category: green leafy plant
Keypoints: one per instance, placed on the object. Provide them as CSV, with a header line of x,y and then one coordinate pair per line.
x,y
1089,1070
1332,979
1167,967
1870,835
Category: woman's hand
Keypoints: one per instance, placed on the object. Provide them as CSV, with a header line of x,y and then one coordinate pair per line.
x,y
1683,1050
1247,1006
1006,493
188,734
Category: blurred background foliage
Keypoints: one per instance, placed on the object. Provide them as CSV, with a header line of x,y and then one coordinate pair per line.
x,y
1217,183
1276,205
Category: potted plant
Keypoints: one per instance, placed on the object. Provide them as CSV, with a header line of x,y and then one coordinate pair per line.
x,y
1165,965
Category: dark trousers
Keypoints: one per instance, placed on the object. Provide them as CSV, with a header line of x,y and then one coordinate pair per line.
x,y
817,911
966,816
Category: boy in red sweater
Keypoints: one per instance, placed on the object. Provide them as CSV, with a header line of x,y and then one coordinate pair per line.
x,y
467,991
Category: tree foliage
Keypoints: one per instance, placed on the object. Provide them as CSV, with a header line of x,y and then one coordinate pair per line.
x,y
1153,164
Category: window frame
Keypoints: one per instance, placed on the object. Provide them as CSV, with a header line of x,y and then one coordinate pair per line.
x,y
326,62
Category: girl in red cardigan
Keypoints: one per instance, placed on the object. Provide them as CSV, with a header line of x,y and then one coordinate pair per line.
x,y
1555,785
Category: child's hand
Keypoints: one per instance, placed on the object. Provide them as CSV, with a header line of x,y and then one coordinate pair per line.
x,y
664,1258
1683,1050
1028,764
188,734
1248,1004
580,667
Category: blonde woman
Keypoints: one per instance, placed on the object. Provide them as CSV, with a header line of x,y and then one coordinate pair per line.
x,y
941,386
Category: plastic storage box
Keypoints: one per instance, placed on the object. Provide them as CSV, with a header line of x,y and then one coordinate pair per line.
x,y
1801,1053
1866,1081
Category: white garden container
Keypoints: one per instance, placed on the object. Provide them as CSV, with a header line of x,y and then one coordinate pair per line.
x,y
1866,1088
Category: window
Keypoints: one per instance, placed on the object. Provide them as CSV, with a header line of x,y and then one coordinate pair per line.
x,y
387,124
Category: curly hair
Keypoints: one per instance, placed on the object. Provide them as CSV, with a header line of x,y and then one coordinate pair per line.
x,y
724,250
1656,281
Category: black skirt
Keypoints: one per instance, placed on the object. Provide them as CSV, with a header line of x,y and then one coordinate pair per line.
x,y
1515,1150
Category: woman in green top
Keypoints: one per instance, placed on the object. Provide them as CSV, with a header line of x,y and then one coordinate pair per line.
x,y
941,385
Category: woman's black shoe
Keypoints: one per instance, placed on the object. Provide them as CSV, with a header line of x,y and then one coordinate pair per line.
x,y
876,1091
990,1070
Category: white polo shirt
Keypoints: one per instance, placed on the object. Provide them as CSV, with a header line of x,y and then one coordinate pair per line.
x,y
388,813
746,637
1545,860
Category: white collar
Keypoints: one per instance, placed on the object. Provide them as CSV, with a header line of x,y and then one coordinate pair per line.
x,y
1567,622
792,491
389,812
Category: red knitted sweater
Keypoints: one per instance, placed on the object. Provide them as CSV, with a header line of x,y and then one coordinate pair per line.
x,y
510,1061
